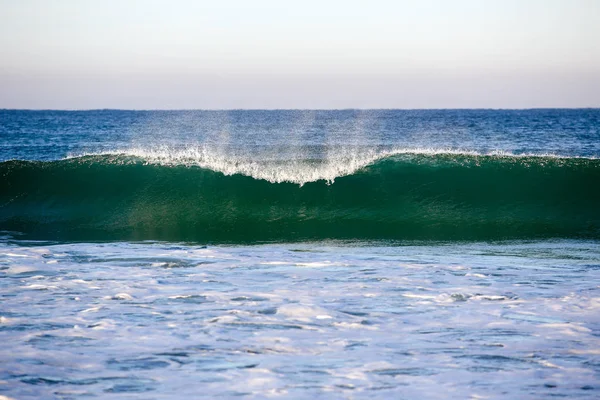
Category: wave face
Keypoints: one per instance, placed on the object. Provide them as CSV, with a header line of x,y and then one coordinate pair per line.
x,y
405,196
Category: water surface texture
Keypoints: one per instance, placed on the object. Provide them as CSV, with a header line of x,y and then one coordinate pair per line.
x,y
300,254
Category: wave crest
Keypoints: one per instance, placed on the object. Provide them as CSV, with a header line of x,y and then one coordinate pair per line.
x,y
300,169
422,195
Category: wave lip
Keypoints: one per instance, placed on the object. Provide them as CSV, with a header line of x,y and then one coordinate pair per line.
x,y
403,194
338,162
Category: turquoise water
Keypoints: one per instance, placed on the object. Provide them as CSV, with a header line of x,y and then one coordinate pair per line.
x,y
300,254
400,197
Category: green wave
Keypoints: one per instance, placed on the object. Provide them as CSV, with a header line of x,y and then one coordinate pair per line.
x,y
443,197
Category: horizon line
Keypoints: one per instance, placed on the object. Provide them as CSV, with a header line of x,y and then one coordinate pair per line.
x,y
306,109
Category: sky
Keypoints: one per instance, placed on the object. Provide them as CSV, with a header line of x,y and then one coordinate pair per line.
x,y
309,54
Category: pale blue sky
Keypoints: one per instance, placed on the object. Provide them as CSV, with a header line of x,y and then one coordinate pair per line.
x,y
299,54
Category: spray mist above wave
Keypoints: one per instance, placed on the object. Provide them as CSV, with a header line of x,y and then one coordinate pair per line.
x,y
281,165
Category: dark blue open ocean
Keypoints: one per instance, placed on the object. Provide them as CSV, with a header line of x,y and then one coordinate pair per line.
x,y
301,254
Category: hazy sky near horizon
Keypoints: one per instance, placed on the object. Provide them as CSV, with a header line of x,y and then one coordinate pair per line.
x,y
148,54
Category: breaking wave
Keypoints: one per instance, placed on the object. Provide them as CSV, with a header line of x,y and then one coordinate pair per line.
x,y
195,195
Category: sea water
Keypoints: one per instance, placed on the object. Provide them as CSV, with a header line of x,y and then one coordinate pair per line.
x,y
300,254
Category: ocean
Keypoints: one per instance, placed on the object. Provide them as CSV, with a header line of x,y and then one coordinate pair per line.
x,y
300,254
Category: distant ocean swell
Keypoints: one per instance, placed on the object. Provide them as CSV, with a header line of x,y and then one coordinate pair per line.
x,y
406,196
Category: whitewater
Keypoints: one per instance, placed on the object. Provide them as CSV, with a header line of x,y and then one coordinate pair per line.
x,y
337,162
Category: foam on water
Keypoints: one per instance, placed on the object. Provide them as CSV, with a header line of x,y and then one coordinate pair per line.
x,y
464,320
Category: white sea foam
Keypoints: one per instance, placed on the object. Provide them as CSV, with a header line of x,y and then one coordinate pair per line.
x,y
347,329
120,296
20,269
297,168
302,312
